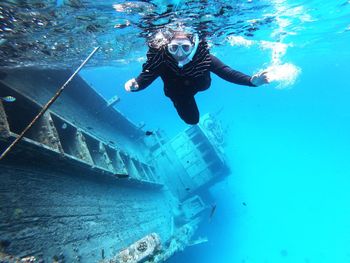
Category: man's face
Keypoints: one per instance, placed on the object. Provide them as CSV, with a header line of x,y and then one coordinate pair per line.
x,y
180,48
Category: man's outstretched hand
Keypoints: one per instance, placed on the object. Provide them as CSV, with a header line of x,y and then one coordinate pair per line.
x,y
131,85
260,79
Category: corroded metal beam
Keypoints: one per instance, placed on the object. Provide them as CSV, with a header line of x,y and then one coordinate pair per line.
x,y
48,104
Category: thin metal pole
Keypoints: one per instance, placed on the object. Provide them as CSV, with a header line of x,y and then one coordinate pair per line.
x,y
48,104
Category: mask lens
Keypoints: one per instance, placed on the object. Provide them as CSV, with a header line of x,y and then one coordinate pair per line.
x,y
173,48
186,48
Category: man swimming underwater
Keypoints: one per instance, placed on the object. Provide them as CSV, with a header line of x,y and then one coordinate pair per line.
x,y
184,64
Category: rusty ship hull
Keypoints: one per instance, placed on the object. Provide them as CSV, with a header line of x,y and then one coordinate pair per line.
x,y
86,184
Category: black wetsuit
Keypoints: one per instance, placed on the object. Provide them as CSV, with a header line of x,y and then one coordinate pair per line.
x,y
181,84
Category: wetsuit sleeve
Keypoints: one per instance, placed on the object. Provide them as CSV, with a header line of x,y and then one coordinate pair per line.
x,y
150,69
228,74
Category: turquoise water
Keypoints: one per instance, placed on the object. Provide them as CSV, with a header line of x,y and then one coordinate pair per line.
x,y
288,142
288,146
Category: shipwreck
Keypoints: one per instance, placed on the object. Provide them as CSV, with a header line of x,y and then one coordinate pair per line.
x,y
86,185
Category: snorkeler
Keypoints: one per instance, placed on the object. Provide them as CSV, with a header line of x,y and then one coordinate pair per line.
x,y
184,64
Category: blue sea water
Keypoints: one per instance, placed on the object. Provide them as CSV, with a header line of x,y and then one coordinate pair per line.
x,y
288,143
287,199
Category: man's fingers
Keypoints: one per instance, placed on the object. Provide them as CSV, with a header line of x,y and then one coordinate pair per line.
x,y
266,79
263,76
263,73
129,85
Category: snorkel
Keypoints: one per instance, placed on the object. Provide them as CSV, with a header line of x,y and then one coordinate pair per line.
x,y
196,43
193,52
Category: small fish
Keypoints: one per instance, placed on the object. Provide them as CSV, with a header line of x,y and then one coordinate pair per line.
x,y
188,189
212,212
148,133
64,126
244,204
8,99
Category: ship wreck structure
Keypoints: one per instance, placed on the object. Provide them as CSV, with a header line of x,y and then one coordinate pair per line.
x,y
87,185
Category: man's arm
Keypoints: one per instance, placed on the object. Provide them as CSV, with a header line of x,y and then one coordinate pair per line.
x,y
228,74
150,69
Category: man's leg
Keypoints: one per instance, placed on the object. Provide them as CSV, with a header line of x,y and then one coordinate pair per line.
x,y
187,109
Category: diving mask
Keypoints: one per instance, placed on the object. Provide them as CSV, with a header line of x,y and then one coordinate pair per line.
x,y
175,46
